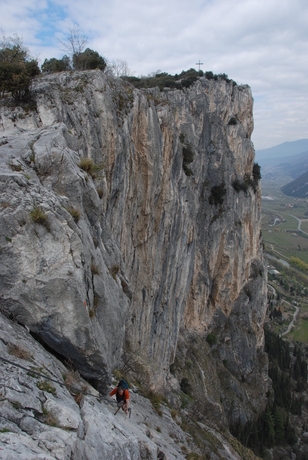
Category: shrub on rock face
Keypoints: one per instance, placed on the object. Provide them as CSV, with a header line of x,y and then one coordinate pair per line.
x,y
248,180
240,186
256,172
89,167
211,339
185,386
217,195
86,164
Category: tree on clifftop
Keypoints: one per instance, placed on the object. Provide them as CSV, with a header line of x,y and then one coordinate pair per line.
x,y
17,68
89,59
82,58
56,65
75,43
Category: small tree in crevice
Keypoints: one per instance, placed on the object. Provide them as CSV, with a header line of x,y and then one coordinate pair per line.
x,y
249,181
256,173
217,195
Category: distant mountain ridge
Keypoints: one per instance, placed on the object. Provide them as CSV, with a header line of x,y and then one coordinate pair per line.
x,y
292,160
283,150
298,188
292,166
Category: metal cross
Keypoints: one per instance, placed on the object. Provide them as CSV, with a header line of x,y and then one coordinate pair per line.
x,y
199,64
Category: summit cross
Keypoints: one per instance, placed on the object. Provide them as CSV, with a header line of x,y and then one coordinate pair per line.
x,y
199,64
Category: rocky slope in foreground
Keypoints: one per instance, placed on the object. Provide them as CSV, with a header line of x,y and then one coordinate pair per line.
x,y
150,247
40,417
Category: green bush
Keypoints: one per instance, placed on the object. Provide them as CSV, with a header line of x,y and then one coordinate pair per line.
x,y
211,339
46,386
248,180
89,59
17,69
178,81
15,78
256,173
210,76
240,186
185,386
56,65
299,264
188,155
163,80
217,195
224,76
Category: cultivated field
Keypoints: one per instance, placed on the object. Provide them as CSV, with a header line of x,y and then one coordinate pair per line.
x,y
285,234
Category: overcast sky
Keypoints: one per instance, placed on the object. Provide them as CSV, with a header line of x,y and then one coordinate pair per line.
x,y
262,43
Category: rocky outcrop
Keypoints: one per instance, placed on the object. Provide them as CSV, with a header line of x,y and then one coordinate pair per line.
x,y
49,412
156,240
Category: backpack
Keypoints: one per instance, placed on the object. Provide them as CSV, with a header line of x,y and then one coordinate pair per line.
x,y
123,384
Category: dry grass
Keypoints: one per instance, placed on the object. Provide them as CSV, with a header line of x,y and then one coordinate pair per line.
x,y
114,271
94,269
100,192
87,165
49,419
19,352
74,212
78,398
39,216
46,386
15,167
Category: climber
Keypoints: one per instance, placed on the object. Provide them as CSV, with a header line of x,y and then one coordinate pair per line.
x,y
122,395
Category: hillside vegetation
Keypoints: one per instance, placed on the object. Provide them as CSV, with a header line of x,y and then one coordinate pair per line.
x,y
298,188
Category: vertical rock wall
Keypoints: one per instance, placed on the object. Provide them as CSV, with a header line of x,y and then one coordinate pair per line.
x,y
156,254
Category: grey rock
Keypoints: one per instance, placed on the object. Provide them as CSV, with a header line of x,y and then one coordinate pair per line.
x,y
62,430
155,254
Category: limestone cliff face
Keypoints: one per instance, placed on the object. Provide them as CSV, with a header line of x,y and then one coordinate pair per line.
x,y
156,254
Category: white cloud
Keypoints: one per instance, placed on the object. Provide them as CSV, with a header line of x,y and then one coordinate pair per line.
x,y
263,43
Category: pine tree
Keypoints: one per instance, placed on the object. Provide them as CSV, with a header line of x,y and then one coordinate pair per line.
x,y
279,426
268,428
